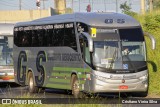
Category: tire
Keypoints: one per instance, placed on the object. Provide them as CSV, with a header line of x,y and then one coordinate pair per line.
x,y
31,84
75,88
140,94
143,94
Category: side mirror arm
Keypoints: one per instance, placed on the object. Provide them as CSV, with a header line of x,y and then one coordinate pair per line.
x,y
152,39
90,41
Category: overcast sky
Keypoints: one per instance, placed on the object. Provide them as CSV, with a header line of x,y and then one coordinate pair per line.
x,y
78,5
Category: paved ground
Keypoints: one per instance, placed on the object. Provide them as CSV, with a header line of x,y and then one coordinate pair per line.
x,y
8,90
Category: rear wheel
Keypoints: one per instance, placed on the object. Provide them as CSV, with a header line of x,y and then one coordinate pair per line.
x,y
31,84
76,88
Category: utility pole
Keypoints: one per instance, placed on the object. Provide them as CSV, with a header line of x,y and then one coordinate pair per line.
x,y
79,6
150,5
130,3
116,6
92,5
142,6
20,4
72,4
43,4
105,5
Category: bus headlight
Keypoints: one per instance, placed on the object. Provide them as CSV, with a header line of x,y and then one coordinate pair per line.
x,y
143,77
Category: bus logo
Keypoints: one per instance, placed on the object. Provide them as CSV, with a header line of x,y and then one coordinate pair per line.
x,y
109,21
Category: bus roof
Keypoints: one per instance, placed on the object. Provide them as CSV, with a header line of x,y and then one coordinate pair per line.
x,y
6,29
92,19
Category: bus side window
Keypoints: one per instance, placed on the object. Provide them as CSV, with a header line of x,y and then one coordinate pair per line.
x,y
69,36
34,39
16,38
82,27
20,37
48,37
26,38
40,37
58,36
85,49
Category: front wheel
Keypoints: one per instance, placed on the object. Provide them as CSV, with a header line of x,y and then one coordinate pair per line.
x,y
140,94
76,88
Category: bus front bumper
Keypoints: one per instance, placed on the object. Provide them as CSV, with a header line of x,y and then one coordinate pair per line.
x,y
6,77
105,82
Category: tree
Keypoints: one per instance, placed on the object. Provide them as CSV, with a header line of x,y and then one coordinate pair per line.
x,y
156,4
126,9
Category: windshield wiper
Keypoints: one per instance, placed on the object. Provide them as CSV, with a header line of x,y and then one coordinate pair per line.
x,y
113,58
130,62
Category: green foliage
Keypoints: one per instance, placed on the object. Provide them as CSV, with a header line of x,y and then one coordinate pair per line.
x,y
151,24
156,4
126,9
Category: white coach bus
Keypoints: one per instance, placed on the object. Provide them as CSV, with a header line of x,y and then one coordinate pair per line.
x,y
6,52
82,52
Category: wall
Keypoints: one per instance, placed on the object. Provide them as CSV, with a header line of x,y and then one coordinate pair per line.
x,y
13,16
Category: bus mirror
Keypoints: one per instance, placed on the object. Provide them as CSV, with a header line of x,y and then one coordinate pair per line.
x,y
152,39
90,41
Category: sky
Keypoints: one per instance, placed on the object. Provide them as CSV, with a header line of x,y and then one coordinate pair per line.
x,y
78,5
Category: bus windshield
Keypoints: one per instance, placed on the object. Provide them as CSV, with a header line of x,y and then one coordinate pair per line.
x,y
6,51
122,53
133,46
106,53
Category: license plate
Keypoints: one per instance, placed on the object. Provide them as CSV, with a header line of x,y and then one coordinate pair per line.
x,y
123,87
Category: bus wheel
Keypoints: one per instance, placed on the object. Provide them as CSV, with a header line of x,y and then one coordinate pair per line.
x,y
140,94
31,84
75,87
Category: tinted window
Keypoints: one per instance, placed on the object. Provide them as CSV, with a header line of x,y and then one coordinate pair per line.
x,y
134,34
20,38
35,40
81,27
16,38
58,35
69,36
46,35
26,38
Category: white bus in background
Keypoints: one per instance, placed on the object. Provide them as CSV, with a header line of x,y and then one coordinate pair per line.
x,y
6,52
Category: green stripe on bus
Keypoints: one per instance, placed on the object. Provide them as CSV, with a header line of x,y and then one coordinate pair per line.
x,y
71,69
58,86
61,74
59,80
